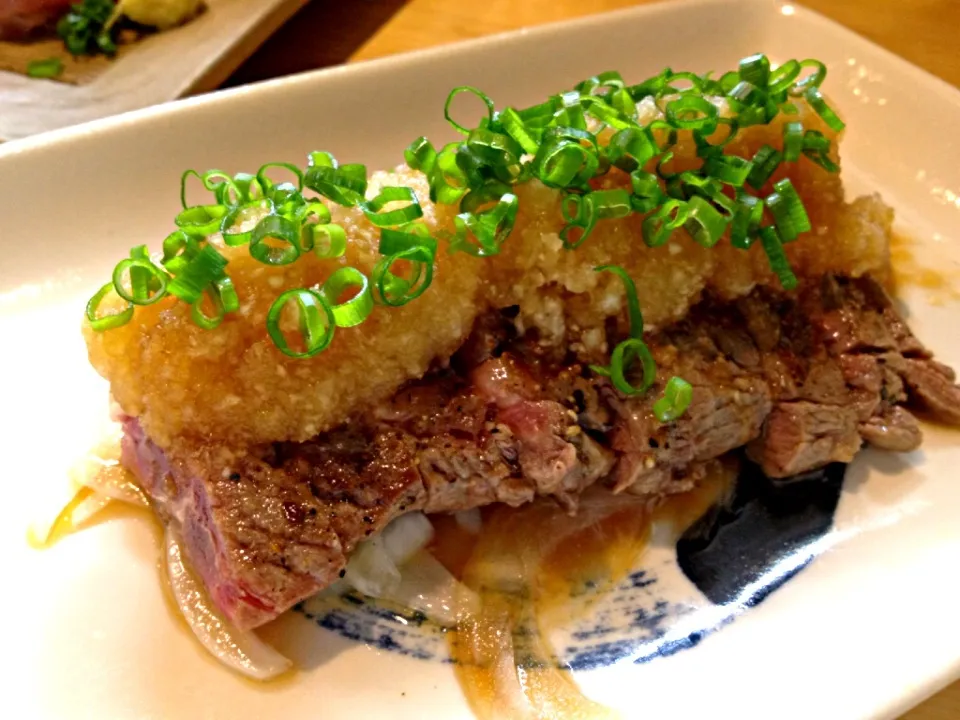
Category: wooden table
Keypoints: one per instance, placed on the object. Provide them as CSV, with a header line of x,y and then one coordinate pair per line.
x,y
329,32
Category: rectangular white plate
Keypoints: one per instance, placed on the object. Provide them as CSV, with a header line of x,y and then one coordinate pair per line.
x,y
867,631
192,58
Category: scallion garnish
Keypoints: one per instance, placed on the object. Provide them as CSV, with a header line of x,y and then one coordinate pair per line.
x,y
565,142
677,396
315,320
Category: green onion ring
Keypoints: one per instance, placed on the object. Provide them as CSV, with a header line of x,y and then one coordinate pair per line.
x,y
396,291
620,360
755,69
677,396
111,320
658,226
746,221
783,77
634,313
792,141
316,320
227,294
765,162
328,240
692,113
788,211
197,273
355,310
142,297
201,220
372,208
779,263
267,184
200,318
813,80
473,91
732,170
816,101
631,148
704,223
278,228
237,216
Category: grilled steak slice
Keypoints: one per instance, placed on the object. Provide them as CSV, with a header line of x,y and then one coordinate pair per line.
x,y
801,380
267,527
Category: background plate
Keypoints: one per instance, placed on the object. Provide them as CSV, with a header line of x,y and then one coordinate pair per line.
x,y
866,631
192,58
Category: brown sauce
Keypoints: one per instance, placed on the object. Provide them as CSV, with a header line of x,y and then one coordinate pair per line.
x,y
943,285
535,569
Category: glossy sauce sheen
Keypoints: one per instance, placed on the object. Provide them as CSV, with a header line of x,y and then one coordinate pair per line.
x,y
537,568
943,285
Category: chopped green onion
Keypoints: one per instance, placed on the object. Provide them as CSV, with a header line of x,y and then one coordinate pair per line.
x,y
344,184
197,273
782,78
813,80
266,183
633,303
620,360
98,322
315,319
746,221
200,318
817,148
779,263
279,229
792,141
647,193
231,226
373,209
473,91
765,162
756,70
328,240
392,289
201,220
142,272
788,212
692,113
227,294
355,310
490,228
659,226
46,68
631,148
704,223
730,169
816,101
677,396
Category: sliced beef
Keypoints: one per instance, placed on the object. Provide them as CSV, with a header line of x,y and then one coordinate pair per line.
x,y
267,527
801,380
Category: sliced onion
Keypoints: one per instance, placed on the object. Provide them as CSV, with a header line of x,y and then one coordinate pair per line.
x,y
407,534
372,568
69,510
113,481
470,520
241,651
428,587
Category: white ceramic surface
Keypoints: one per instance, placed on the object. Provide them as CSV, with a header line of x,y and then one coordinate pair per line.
x,y
867,630
193,58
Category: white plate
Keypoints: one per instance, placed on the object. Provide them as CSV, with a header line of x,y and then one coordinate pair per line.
x,y
867,630
193,58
